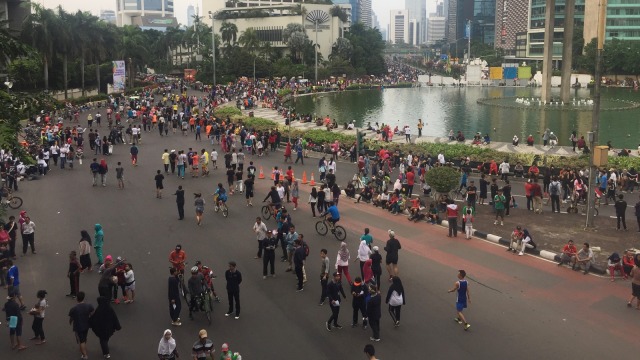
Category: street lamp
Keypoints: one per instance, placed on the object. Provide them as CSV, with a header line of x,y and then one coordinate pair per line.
x,y
213,45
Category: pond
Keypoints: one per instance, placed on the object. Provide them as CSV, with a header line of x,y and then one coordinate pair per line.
x,y
448,108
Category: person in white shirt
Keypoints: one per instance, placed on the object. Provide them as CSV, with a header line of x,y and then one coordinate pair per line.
x,y
261,233
214,159
135,132
363,255
28,236
407,134
441,159
504,169
55,153
129,284
63,156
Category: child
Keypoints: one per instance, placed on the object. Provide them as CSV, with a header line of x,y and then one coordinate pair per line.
x,y
467,220
129,284
433,214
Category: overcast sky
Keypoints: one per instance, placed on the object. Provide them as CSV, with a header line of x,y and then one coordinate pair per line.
x,y
380,7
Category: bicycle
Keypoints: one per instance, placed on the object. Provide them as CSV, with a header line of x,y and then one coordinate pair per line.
x,y
220,205
322,227
8,200
268,211
459,194
204,302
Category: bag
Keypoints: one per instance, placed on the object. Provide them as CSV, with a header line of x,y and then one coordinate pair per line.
x,y
396,299
322,169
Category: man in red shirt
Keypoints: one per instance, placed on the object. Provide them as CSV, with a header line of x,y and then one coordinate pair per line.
x,y
452,218
569,251
411,177
177,258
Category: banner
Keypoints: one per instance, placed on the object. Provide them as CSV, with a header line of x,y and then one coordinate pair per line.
x,y
495,73
467,30
510,73
119,75
524,72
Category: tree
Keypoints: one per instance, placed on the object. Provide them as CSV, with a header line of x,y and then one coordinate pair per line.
x,y
290,29
229,32
342,49
368,48
65,43
442,178
39,30
339,12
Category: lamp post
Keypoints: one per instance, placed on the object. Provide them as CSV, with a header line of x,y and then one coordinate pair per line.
x,y
315,48
213,46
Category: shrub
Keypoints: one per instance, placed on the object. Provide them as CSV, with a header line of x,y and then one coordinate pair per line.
x,y
224,111
443,178
259,124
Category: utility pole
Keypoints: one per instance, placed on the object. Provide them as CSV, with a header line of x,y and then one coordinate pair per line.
x,y
469,43
595,119
213,45
315,46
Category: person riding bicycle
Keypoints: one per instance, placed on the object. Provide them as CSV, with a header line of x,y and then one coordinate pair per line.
x,y
177,258
332,215
208,278
221,194
275,199
197,287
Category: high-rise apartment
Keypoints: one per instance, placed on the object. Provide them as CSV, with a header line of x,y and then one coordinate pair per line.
x,y
622,20
536,30
191,12
511,19
365,13
418,12
399,26
147,14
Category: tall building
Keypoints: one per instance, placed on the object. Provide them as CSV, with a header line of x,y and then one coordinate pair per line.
x,y
512,17
191,12
483,27
147,14
622,20
435,28
14,12
458,12
399,26
418,12
536,30
108,16
355,9
365,13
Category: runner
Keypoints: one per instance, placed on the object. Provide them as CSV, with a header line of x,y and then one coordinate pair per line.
x,y
463,298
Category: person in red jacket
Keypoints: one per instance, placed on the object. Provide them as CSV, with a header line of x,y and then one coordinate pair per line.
x,y
527,192
411,178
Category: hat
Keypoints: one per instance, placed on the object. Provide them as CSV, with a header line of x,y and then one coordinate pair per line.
x,y
225,347
202,333
108,258
375,248
173,150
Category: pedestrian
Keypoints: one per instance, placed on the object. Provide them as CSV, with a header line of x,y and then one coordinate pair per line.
x,y
120,176
98,236
395,299
452,218
334,289
14,317
104,323
374,312
635,284
234,278
28,236
392,247
134,154
324,276
199,204
376,265
499,203
555,188
248,189
295,193
621,210
79,320
461,287
94,168
359,291
342,261
363,254
269,244
13,281
299,257
11,228
203,348
173,157
167,349
369,350
38,312
84,249
129,292
175,304
73,273
166,161
159,178
104,169
180,202
260,229
467,220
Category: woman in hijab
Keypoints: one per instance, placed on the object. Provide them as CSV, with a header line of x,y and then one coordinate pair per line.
x,y
342,261
527,240
367,271
104,322
395,299
167,348
85,250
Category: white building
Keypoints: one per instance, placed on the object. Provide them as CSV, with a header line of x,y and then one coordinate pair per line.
x,y
399,26
366,13
147,14
191,12
436,28
418,12
108,16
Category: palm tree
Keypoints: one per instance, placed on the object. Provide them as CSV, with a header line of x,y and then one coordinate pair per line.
x,y
84,34
102,38
39,30
229,32
64,42
10,47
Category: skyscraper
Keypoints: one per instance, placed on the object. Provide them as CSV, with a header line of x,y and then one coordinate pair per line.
x,y
418,12
399,27
365,13
191,12
147,14
511,19
355,9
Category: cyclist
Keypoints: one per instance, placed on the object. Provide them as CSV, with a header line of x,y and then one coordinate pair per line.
x,y
208,278
220,194
275,202
177,258
197,287
332,215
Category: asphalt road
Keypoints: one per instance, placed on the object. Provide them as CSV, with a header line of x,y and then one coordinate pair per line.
x,y
521,306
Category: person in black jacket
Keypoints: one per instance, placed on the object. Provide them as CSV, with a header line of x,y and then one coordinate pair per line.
x,y
104,322
374,313
234,278
334,289
395,299
175,305
359,292
299,257
269,244
392,247
621,209
180,202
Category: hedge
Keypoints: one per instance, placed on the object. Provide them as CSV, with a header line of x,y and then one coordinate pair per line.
x,y
224,111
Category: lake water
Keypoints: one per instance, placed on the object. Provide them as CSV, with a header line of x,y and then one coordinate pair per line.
x,y
448,108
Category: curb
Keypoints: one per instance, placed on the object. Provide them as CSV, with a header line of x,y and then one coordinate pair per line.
x,y
545,254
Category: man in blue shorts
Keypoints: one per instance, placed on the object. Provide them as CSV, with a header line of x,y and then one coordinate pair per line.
x,y
463,297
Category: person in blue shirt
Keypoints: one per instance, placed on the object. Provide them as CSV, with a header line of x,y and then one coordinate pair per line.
x,y
463,180
221,192
461,287
13,281
332,214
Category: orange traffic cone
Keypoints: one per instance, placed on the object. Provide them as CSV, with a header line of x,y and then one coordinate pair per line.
x,y
313,182
261,176
304,177
273,176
